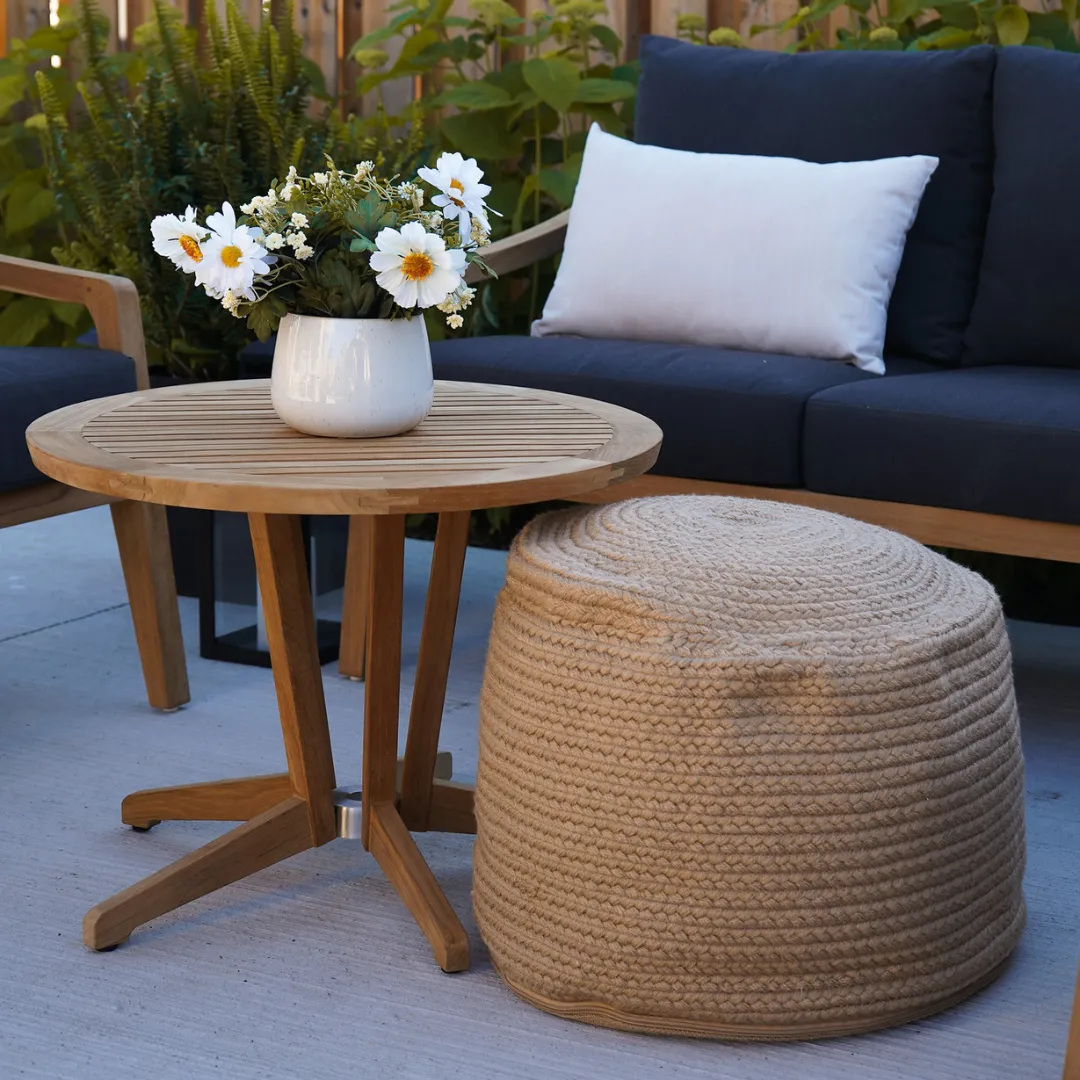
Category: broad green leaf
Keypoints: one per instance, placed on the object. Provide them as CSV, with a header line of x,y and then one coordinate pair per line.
x,y
12,90
948,37
898,11
475,95
1012,25
1052,25
509,77
482,134
603,90
369,216
630,73
559,185
416,44
22,320
608,39
960,15
361,243
554,79
606,117
27,204
372,40
823,8
72,315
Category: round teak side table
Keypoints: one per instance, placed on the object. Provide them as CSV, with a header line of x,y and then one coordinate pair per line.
x,y
220,446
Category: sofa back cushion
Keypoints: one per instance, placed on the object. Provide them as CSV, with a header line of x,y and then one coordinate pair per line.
x,y
1026,306
850,106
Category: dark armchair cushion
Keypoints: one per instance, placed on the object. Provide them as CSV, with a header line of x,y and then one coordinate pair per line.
x,y
851,106
1002,440
726,415
34,381
1026,310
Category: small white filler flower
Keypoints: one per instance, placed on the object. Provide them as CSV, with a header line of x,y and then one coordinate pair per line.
x,y
180,239
232,257
461,195
415,267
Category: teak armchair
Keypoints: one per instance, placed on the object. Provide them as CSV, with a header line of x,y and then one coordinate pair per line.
x,y
141,531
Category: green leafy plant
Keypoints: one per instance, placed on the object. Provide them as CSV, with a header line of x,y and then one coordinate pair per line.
x,y
516,94
179,124
897,25
29,221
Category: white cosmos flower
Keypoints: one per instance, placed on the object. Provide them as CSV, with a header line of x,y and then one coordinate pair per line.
x,y
180,239
461,195
232,257
415,267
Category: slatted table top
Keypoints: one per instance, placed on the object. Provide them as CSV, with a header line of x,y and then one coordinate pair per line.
x,y
220,446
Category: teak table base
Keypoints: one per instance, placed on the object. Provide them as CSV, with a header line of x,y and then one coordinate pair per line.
x,y
287,813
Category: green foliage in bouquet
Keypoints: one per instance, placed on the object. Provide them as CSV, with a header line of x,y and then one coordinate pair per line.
x,y
166,126
346,245
29,222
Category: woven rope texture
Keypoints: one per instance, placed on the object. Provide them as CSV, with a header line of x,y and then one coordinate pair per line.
x,y
746,769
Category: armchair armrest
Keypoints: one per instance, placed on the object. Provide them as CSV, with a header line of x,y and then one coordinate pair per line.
x,y
113,303
523,249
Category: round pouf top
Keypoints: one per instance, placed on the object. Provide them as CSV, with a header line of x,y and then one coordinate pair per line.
x,y
747,770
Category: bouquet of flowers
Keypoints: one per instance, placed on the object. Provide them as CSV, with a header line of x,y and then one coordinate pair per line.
x,y
343,244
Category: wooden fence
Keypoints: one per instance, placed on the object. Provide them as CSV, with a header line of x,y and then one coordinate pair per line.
x,y
329,27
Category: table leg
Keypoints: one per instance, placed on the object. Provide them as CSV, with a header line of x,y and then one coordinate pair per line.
x,y
355,601
288,819
383,832
218,800
142,535
432,668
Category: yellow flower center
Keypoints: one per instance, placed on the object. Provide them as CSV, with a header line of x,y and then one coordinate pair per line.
x,y
231,256
191,248
416,266
458,186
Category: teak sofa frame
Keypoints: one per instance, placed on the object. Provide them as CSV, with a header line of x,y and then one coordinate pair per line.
x,y
927,524
141,531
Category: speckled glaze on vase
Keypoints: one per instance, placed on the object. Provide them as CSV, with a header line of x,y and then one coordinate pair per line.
x,y
351,378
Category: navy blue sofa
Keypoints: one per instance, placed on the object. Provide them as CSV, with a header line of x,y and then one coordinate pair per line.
x,y
972,438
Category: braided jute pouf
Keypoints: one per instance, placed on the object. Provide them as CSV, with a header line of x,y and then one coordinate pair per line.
x,y
747,770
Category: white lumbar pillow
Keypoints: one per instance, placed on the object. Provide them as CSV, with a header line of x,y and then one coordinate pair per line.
x,y
759,253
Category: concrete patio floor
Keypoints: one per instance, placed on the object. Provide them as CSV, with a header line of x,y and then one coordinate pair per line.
x,y
313,969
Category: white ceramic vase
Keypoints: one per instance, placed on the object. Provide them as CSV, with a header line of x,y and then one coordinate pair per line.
x,y
351,378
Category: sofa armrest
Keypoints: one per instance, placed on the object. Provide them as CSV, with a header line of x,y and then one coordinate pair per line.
x,y
523,249
113,303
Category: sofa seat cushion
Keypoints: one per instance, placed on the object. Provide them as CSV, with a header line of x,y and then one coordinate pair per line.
x,y
1002,440
34,381
726,415
851,106
1025,308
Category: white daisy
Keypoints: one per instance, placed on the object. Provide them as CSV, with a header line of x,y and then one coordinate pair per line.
x,y
233,257
461,195
180,239
415,267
